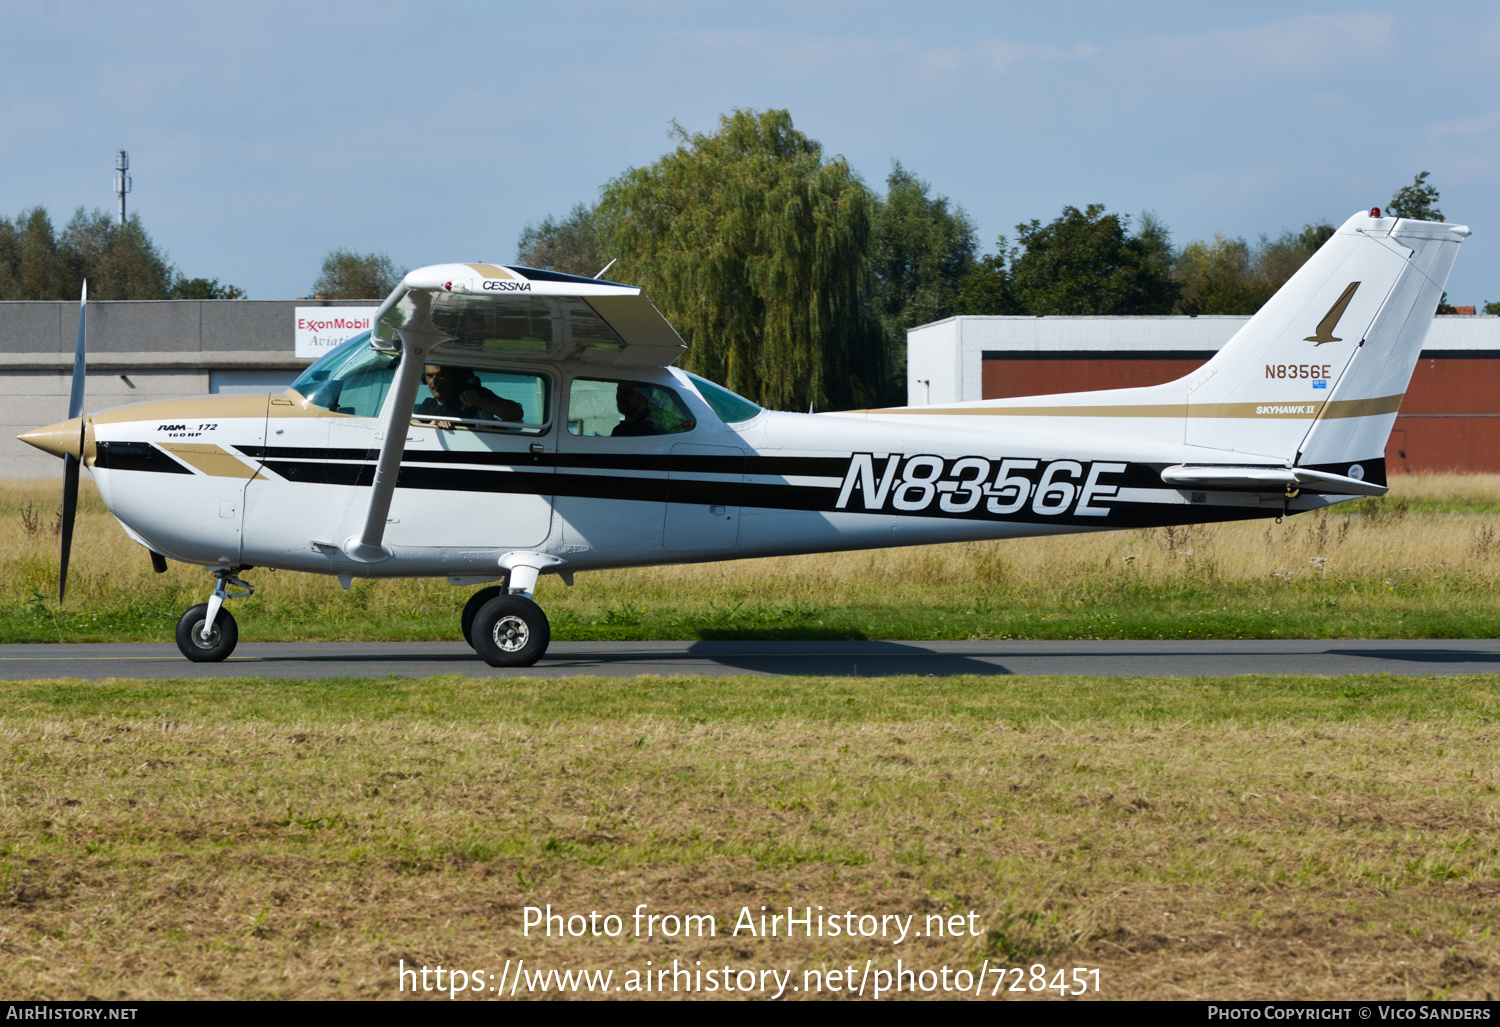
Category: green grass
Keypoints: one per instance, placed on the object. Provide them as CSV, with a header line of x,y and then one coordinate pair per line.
x,y
1254,837
1407,609
1016,700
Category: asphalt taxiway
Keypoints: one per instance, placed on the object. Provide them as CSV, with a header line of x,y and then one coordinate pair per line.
x,y
863,658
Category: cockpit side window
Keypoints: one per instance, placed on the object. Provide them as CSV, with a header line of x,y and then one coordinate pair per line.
x,y
620,408
355,378
453,396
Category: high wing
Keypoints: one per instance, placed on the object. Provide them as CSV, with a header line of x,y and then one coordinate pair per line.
x,y
526,313
451,310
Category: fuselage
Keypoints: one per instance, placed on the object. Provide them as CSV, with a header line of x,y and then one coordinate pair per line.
x,y
280,481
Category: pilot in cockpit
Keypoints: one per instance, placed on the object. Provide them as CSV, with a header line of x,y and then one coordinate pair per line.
x,y
458,393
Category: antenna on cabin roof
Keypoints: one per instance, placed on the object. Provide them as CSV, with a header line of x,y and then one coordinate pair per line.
x,y
605,268
122,179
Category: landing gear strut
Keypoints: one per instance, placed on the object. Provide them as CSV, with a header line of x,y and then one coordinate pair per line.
x,y
207,633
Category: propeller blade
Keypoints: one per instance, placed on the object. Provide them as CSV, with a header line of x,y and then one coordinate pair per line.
x,y
70,462
69,509
75,398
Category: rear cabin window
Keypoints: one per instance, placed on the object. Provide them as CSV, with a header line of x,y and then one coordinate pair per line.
x,y
625,409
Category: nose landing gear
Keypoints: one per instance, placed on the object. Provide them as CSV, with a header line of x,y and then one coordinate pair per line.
x,y
207,633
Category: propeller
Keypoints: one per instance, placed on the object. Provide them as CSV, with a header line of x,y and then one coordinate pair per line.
x,y
71,462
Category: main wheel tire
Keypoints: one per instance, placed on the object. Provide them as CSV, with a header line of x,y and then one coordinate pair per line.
x,y
471,609
221,641
511,631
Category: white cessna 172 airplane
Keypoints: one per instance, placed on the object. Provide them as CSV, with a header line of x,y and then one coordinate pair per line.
x,y
499,423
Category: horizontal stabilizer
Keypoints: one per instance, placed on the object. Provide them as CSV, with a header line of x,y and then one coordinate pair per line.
x,y
1269,479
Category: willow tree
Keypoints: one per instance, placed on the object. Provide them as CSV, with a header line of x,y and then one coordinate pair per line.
x,y
119,261
757,249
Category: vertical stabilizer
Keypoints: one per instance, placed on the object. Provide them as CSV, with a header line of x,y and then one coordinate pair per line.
x,y
1318,373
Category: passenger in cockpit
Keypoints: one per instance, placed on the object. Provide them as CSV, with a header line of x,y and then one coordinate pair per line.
x,y
636,409
458,393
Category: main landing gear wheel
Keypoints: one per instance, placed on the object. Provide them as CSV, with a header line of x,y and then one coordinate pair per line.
x,y
472,607
511,631
221,640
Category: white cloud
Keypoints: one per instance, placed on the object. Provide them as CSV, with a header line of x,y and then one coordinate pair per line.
x,y
1465,126
1306,45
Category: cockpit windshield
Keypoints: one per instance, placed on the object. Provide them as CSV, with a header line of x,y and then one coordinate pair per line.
x,y
731,407
352,379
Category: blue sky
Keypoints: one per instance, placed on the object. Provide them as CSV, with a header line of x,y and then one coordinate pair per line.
x,y
262,135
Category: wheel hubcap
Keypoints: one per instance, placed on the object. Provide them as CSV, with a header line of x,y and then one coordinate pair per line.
x,y
511,633
213,636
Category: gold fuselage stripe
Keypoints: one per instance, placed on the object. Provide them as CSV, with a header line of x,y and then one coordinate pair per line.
x,y
1304,410
211,460
218,405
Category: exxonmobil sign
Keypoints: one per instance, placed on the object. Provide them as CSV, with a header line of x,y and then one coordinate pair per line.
x,y
320,329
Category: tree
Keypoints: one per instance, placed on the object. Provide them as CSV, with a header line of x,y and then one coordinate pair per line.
x,y
756,248
1278,259
986,287
1228,276
1085,263
119,261
570,245
1418,201
1217,278
204,289
347,275
922,250
31,265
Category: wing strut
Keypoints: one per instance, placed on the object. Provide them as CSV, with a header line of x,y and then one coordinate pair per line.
x,y
395,419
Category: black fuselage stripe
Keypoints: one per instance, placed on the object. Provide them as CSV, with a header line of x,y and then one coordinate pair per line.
x,y
135,456
661,489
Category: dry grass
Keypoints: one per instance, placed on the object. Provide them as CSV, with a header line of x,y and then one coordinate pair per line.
x,y
1422,562
1240,838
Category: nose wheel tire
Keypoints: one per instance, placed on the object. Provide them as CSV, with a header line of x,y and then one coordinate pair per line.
x,y
511,631
472,607
221,640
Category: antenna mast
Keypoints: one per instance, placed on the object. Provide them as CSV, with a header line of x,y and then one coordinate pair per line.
x,y
122,179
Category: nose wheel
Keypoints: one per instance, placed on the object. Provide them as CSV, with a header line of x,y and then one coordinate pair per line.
x,y
510,631
220,640
207,633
